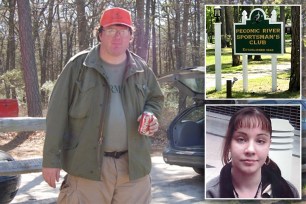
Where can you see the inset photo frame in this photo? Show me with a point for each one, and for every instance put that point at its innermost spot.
(253, 151)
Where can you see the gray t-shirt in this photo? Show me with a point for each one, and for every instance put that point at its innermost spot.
(115, 131)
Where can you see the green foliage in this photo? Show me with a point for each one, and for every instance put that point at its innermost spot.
(48, 87)
(13, 79)
(171, 96)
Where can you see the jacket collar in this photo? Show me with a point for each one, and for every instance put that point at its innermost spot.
(93, 60)
(227, 189)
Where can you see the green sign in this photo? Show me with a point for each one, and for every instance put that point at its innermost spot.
(258, 35)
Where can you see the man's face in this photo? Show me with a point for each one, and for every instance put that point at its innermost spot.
(115, 40)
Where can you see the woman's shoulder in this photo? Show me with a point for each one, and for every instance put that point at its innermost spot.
(213, 182)
(293, 189)
(213, 188)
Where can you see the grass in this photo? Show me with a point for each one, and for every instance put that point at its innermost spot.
(257, 88)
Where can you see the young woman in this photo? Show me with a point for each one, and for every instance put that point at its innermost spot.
(248, 171)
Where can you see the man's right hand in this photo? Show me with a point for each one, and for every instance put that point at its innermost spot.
(51, 175)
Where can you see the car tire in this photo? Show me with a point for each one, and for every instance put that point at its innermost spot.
(9, 185)
(199, 170)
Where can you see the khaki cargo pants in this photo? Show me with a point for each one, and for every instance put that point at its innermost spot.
(115, 187)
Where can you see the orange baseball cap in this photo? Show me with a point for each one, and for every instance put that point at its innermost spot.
(116, 15)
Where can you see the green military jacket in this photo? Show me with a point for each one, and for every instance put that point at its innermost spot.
(77, 110)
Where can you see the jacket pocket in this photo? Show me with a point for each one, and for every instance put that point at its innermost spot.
(82, 98)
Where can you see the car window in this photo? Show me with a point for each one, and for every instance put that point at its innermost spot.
(197, 114)
(195, 84)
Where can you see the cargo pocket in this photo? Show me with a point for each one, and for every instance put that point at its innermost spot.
(68, 193)
(82, 99)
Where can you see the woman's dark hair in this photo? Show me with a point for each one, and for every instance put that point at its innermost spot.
(272, 175)
(249, 117)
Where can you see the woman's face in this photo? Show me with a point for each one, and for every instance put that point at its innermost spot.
(249, 149)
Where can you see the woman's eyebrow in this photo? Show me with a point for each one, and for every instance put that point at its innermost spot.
(263, 134)
(239, 132)
(244, 133)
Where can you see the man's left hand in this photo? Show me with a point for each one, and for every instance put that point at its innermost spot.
(153, 126)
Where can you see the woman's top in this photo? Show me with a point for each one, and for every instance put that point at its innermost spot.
(273, 185)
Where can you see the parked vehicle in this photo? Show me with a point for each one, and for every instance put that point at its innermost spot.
(9, 185)
(186, 131)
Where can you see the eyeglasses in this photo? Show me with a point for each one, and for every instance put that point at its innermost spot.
(112, 32)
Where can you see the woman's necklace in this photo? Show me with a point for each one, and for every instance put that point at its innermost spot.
(237, 196)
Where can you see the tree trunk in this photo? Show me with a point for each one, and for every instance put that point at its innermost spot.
(28, 59)
(11, 45)
(61, 57)
(257, 58)
(146, 39)
(223, 28)
(185, 30)
(177, 34)
(197, 34)
(228, 19)
(46, 50)
(294, 84)
(283, 19)
(235, 58)
(154, 51)
(140, 32)
(180, 40)
(170, 62)
(36, 30)
(71, 32)
(159, 40)
(82, 25)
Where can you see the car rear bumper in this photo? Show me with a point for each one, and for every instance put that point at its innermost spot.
(183, 157)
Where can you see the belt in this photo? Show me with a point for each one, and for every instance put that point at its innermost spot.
(115, 155)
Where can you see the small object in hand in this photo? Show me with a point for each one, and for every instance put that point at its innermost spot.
(144, 123)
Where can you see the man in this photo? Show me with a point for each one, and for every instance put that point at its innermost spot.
(93, 118)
